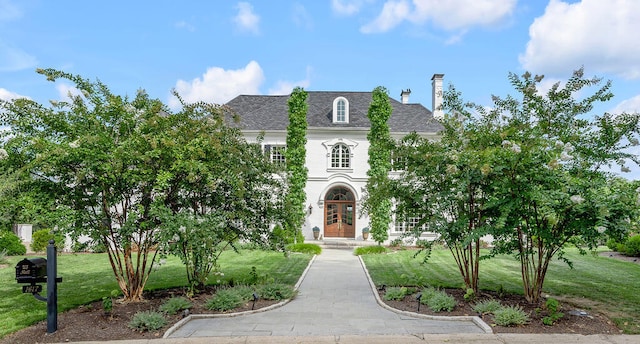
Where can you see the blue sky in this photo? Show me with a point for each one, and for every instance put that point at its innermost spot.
(215, 50)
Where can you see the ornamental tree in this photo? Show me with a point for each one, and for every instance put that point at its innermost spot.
(549, 185)
(378, 201)
(297, 172)
(445, 186)
(552, 189)
(94, 156)
(219, 191)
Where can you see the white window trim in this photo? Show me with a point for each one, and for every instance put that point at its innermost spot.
(335, 110)
(273, 148)
(328, 145)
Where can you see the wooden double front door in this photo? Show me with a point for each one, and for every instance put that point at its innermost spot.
(340, 207)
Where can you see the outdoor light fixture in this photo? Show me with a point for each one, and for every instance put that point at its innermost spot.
(418, 297)
(310, 208)
(255, 298)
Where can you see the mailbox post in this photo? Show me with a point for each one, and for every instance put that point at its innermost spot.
(52, 287)
(39, 270)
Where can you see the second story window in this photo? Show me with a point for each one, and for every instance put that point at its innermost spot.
(340, 156)
(340, 110)
(276, 154)
(398, 161)
(340, 116)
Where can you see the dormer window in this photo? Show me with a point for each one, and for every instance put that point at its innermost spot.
(340, 110)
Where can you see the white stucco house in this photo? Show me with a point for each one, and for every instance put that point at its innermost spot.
(337, 149)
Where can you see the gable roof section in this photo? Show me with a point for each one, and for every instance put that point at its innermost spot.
(258, 112)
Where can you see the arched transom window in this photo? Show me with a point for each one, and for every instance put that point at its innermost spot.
(340, 156)
(340, 193)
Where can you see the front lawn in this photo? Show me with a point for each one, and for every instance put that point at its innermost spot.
(600, 283)
(88, 277)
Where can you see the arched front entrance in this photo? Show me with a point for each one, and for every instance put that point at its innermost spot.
(339, 213)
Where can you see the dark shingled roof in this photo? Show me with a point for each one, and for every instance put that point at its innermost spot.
(271, 112)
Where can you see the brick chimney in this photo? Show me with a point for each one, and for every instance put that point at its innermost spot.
(404, 95)
(436, 96)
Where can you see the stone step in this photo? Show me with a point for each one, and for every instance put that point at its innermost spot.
(346, 244)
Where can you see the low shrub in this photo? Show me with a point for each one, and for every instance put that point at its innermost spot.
(244, 291)
(437, 300)
(147, 321)
(276, 291)
(553, 306)
(224, 300)
(622, 248)
(40, 240)
(428, 293)
(395, 293)
(612, 244)
(487, 306)
(632, 246)
(470, 295)
(441, 301)
(12, 244)
(304, 248)
(374, 249)
(510, 316)
(175, 304)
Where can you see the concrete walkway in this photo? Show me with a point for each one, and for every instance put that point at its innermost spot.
(335, 299)
(336, 304)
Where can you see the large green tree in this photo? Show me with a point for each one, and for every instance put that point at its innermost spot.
(295, 154)
(219, 191)
(550, 185)
(444, 186)
(94, 155)
(532, 171)
(378, 201)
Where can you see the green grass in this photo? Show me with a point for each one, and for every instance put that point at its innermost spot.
(598, 283)
(88, 277)
(370, 250)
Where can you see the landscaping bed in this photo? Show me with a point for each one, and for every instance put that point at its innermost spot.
(589, 323)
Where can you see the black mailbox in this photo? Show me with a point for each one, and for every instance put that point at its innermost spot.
(31, 270)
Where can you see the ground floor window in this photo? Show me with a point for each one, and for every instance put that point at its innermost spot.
(409, 225)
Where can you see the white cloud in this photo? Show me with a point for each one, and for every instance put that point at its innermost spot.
(346, 7)
(285, 87)
(65, 91)
(8, 95)
(9, 11)
(631, 105)
(219, 86)
(14, 59)
(301, 17)
(246, 20)
(452, 15)
(185, 25)
(393, 13)
(600, 35)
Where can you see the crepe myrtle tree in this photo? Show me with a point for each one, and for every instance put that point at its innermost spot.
(220, 190)
(445, 184)
(377, 201)
(550, 186)
(96, 154)
(100, 156)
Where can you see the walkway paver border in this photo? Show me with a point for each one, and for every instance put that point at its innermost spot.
(476, 320)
